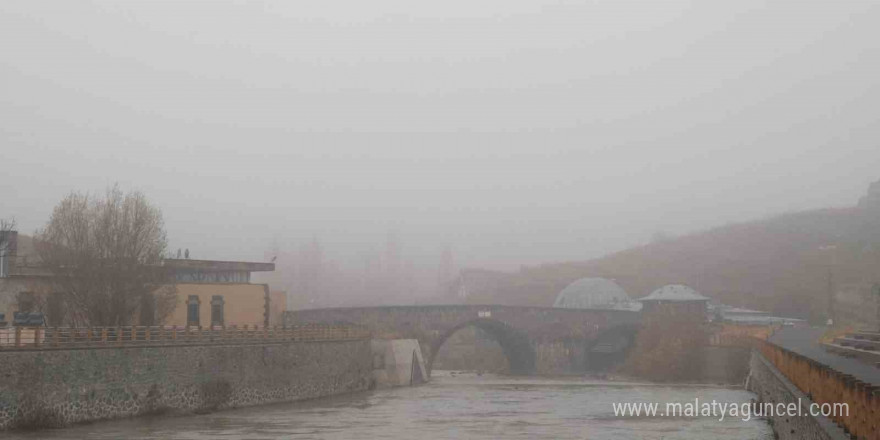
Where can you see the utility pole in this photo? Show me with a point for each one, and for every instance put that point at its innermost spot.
(830, 295)
(833, 249)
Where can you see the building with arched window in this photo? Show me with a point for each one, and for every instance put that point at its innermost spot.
(219, 294)
(209, 293)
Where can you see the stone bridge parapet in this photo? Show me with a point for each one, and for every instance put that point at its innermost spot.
(541, 340)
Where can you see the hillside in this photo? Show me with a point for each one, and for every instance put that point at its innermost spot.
(781, 264)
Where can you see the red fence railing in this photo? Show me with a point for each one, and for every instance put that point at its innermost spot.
(31, 338)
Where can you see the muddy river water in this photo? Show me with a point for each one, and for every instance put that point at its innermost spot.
(451, 406)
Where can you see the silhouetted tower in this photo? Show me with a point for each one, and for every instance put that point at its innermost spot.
(446, 270)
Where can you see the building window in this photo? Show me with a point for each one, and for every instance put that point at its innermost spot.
(217, 310)
(192, 311)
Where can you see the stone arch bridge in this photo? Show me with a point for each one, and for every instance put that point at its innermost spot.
(536, 340)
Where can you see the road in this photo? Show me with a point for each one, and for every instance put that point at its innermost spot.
(804, 341)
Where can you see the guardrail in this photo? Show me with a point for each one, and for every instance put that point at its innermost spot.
(47, 338)
(825, 385)
(734, 335)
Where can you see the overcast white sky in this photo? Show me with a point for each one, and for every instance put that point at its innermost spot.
(518, 131)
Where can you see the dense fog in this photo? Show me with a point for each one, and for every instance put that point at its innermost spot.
(396, 142)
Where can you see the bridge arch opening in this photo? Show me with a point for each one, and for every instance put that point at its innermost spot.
(609, 348)
(514, 344)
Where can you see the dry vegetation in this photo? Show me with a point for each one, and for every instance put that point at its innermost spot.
(668, 350)
(105, 255)
(781, 264)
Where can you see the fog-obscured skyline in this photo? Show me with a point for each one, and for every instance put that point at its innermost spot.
(518, 132)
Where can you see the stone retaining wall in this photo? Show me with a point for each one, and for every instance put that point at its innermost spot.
(59, 387)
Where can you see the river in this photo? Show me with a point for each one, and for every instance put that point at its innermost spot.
(451, 406)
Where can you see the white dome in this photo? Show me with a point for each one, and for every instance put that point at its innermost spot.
(593, 293)
(674, 292)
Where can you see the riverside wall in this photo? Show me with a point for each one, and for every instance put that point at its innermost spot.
(54, 388)
(783, 377)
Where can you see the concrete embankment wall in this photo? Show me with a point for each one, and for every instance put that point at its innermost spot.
(826, 385)
(398, 362)
(772, 386)
(58, 387)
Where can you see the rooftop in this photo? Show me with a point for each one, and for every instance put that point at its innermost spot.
(674, 292)
(742, 311)
(217, 266)
(760, 319)
(594, 293)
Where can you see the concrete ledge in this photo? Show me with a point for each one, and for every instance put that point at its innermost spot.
(397, 362)
(862, 344)
(869, 335)
(869, 356)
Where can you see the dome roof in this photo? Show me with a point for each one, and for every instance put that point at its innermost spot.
(674, 292)
(593, 293)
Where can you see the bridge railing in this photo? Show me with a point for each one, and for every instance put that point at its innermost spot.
(44, 338)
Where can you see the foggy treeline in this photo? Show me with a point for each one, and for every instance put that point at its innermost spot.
(314, 276)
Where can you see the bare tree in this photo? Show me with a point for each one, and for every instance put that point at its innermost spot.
(7, 245)
(105, 254)
(6, 227)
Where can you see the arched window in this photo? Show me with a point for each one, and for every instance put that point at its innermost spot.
(192, 311)
(217, 310)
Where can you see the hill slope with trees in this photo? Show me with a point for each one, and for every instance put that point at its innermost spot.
(785, 264)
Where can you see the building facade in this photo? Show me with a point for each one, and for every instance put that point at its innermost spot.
(219, 294)
(25, 286)
(208, 293)
(675, 299)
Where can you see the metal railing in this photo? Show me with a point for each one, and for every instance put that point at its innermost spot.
(44, 338)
